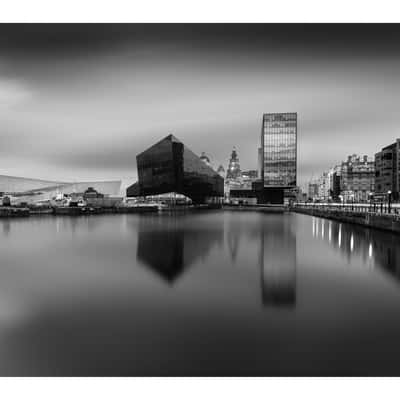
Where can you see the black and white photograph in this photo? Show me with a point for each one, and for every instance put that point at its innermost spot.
(199, 200)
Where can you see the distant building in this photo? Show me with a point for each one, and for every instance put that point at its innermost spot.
(15, 184)
(233, 172)
(108, 188)
(93, 198)
(91, 193)
(334, 183)
(169, 166)
(301, 196)
(357, 178)
(323, 187)
(242, 196)
(205, 159)
(352, 180)
(387, 170)
(241, 189)
(248, 177)
(250, 174)
(233, 179)
(221, 171)
(313, 190)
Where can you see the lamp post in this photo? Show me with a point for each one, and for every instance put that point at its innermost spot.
(352, 202)
(341, 200)
(370, 201)
(389, 199)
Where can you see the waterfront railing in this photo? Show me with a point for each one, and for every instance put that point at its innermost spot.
(370, 208)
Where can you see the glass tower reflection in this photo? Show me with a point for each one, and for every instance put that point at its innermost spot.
(278, 259)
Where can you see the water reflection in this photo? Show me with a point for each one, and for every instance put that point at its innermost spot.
(170, 245)
(159, 295)
(233, 238)
(6, 226)
(374, 247)
(278, 260)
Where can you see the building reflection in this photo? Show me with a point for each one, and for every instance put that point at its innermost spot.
(170, 245)
(6, 226)
(386, 251)
(374, 247)
(278, 260)
(234, 233)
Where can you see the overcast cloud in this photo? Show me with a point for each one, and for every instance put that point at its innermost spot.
(79, 102)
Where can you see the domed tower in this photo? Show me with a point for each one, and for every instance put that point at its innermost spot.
(221, 171)
(233, 171)
(205, 158)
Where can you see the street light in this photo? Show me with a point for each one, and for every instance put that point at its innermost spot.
(389, 199)
(370, 200)
(341, 199)
(352, 201)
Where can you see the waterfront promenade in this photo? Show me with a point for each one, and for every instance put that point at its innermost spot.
(370, 215)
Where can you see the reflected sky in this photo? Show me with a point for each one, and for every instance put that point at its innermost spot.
(207, 293)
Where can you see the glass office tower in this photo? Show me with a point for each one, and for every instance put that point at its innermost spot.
(279, 150)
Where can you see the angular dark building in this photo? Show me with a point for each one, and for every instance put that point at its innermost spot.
(169, 166)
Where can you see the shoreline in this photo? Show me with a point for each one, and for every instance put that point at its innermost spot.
(19, 212)
(386, 222)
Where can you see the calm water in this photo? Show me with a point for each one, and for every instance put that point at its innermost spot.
(217, 293)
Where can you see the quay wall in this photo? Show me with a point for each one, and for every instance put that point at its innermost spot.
(259, 208)
(13, 212)
(67, 210)
(389, 222)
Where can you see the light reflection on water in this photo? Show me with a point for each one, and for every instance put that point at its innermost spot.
(216, 293)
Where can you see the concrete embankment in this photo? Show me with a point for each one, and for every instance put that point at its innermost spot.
(114, 210)
(6, 212)
(14, 212)
(71, 211)
(389, 222)
(260, 208)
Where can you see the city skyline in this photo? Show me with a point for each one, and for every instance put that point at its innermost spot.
(200, 200)
(79, 102)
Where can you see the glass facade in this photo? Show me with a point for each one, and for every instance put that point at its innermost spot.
(279, 150)
(169, 166)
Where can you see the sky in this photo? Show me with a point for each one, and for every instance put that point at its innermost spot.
(79, 102)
